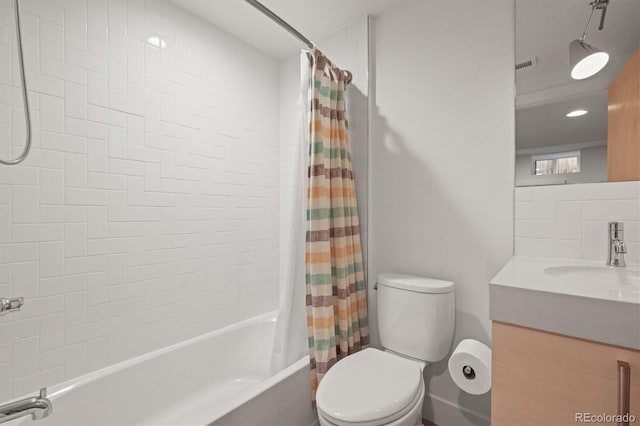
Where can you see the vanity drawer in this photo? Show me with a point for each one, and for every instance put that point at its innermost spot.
(541, 378)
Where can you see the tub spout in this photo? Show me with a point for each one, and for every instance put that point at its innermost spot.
(38, 407)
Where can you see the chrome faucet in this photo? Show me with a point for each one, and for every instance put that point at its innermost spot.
(38, 407)
(617, 246)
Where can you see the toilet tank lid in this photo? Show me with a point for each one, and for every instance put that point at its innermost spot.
(415, 283)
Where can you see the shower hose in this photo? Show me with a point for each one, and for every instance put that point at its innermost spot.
(25, 100)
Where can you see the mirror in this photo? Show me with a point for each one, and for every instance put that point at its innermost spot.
(552, 148)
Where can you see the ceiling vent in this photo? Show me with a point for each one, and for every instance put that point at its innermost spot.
(531, 62)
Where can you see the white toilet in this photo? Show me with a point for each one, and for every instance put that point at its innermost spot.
(416, 319)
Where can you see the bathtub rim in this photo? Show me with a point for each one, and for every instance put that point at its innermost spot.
(59, 389)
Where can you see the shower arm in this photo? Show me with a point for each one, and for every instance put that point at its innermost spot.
(25, 99)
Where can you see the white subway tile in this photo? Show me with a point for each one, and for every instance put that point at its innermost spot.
(25, 357)
(97, 353)
(15, 252)
(97, 21)
(51, 332)
(97, 222)
(83, 59)
(106, 181)
(63, 214)
(25, 279)
(569, 220)
(51, 259)
(85, 197)
(97, 153)
(75, 239)
(63, 71)
(595, 240)
(85, 128)
(97, 89)
(126, 104)
(611, 210)
(75, 30)
(28, 233)
(107, 116)
(97, 288)
(75, 309)
(63, 142)
(75, 100)
(51, 186)
(51, 113)
(25, 204)
(117, 78)
(62, 285)
(544, 202)
(75, 170)
(117, 273)
(51, 40)
(41, 83)
(17, 330)
(117, 142)
(5, 224)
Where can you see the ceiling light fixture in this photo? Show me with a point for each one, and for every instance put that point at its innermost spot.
(577, 113)
(587, 60)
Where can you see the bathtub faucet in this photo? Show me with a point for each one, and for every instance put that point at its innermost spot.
(38, 407)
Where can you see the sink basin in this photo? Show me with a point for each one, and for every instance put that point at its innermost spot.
(597, 275)
(616, 283)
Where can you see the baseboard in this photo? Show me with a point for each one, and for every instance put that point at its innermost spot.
(447, 413)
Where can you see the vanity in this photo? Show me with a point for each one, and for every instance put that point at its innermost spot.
(566, 342)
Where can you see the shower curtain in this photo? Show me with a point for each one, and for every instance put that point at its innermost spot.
(290, 342)
(335, 287)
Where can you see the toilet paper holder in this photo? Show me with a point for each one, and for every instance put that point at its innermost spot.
(468, 372)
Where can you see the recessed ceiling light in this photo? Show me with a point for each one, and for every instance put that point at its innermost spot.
(156, 41)
(577, 113)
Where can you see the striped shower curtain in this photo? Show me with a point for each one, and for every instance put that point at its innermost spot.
(335, 284)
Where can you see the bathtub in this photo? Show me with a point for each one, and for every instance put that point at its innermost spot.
(222, 377)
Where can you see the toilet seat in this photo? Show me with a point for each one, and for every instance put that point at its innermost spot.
(370, 388)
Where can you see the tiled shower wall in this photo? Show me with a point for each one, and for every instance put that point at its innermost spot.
(570, 221)
(147, 211)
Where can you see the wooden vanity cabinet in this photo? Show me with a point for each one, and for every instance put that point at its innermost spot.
(541, 378)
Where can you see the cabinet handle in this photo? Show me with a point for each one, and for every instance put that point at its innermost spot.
(624, 391)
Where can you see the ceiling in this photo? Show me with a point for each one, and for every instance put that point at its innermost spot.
(547, 124)
(311, 18)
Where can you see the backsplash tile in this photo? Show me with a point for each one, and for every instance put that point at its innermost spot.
(570, 221)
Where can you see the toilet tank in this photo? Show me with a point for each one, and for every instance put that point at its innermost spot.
(416, 315)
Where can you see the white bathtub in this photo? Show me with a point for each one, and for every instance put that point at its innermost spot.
(221, 377)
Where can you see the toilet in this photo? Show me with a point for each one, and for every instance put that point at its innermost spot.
(416, 321)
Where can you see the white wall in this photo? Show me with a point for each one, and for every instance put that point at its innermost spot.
(442, 163)
(570, 221)
(593, 168)
(147, 211)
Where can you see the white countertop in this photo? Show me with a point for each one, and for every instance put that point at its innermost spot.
(574, 277)
(574, 297)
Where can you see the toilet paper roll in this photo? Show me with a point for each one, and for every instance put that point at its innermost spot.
(470, 367)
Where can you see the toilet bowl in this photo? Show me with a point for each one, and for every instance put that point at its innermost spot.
(385, 387)
(371, 388)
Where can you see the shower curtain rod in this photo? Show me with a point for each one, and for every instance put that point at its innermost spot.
(278, 20)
